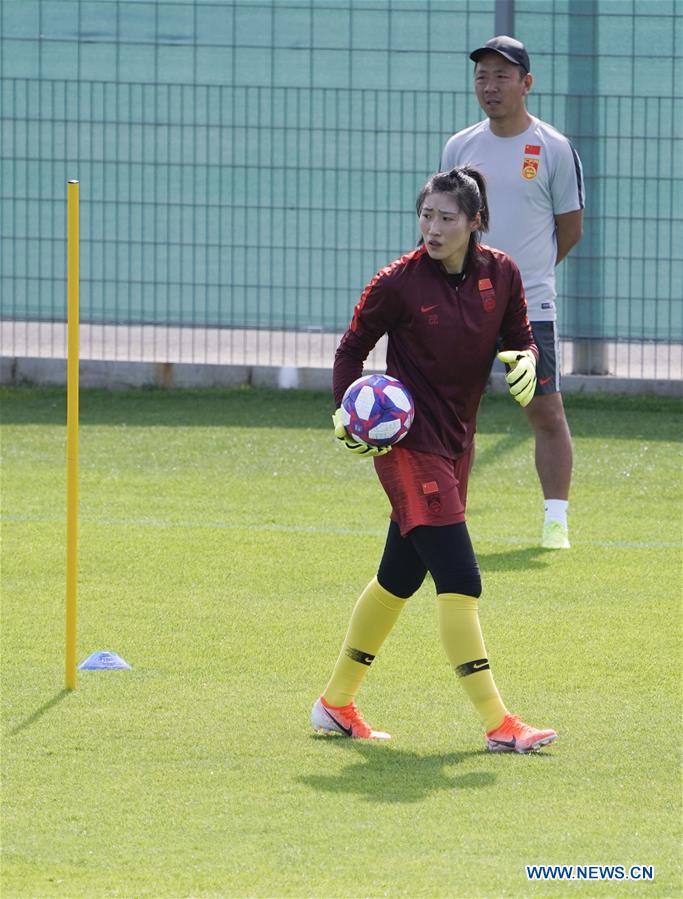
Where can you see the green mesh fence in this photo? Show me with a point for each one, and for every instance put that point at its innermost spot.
(250, 165)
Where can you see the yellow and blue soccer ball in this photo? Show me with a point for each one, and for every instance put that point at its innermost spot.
(377, 409)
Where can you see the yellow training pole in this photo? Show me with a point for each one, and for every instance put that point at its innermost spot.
(71, 433)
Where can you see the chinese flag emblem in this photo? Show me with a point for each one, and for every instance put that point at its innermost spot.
(488, 294)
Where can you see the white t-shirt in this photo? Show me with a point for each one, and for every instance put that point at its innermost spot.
(530, 178)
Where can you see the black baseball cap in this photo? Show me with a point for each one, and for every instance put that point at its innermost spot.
(512, 50)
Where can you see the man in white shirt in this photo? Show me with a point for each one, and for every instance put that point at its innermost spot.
(536, 200)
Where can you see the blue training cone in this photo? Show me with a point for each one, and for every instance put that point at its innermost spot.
(103, 660)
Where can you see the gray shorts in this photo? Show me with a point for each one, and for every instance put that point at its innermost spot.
(548, 368)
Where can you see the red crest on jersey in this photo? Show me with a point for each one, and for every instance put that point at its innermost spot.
(530, 168)
(487, 293)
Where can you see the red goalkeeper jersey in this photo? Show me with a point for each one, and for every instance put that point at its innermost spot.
(442, 332)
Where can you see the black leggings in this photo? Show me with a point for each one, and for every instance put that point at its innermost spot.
(445, 552)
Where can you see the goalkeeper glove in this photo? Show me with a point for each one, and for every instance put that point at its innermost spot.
(522, 377)
(353, 443)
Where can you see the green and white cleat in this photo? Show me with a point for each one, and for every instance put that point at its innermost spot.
(555, 536)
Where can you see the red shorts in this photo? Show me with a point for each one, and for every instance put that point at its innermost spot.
(424, 488)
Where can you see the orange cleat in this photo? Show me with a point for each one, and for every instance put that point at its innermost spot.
(346, 720)
(513, 735)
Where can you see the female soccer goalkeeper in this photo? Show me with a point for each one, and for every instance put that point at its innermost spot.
(443, 307)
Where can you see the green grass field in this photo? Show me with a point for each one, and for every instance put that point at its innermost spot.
(224, 537)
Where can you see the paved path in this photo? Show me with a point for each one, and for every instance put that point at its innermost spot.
(287, 351)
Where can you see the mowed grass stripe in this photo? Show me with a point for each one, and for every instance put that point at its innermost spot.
(294, 529)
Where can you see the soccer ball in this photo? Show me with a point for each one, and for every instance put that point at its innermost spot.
(377, 409)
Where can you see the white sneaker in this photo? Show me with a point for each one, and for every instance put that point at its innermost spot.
(555, 536)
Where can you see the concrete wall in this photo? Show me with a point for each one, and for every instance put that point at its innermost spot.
(118, 375)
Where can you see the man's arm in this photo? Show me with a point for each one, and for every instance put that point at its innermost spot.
(569, 232)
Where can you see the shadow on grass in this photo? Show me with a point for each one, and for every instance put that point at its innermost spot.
(532, 558)
(506, 443)
(38, 714)
(590, 415)
(394, 776)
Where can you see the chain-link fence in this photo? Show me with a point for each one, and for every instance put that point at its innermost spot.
(245, 168)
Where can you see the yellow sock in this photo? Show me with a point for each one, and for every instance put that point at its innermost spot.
(373, 617)
(464, 645)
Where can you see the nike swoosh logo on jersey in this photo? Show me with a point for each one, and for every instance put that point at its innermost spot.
(347, 730)
(544, 380)
(428, 308)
